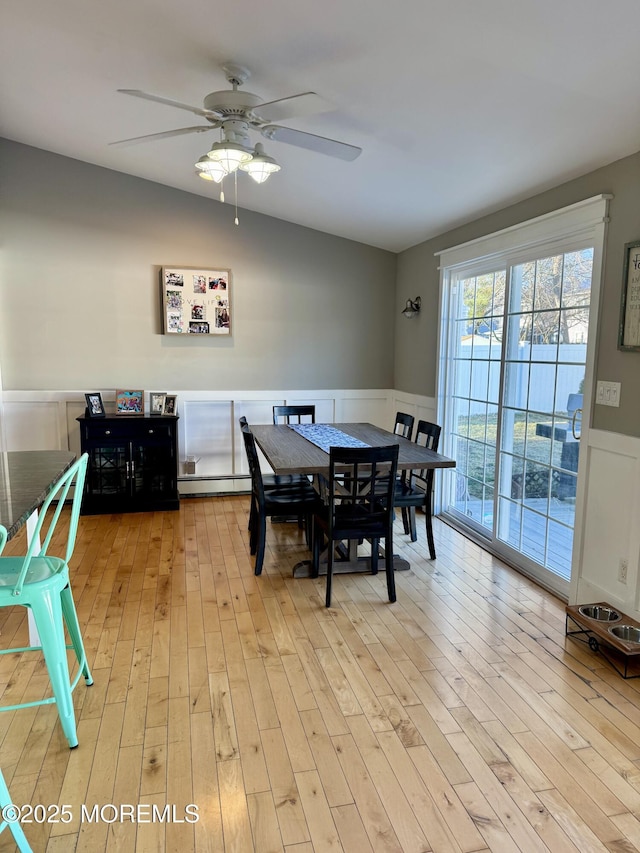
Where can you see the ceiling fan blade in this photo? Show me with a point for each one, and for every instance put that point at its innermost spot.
(304, 104)
(321, 144)
(165, 134)
(199, 111)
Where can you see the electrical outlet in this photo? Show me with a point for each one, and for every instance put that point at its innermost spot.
(623, 568)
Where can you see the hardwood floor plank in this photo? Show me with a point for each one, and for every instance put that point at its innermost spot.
(291, 818)
(264, 823)
(381, 833)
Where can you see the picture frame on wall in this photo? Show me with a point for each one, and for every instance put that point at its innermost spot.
(170, 405)
(156, 402)
(129, 402)
(196, 301)
(95, 406)
(629, 335)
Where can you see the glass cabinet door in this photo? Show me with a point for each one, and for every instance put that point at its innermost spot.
(107, 473)
(153, 469)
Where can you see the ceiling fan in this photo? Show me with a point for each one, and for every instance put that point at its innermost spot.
(236, 113)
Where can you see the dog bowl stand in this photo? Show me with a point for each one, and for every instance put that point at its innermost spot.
(623, 656)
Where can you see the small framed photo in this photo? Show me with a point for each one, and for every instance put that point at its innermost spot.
(95, 406)
(629, 335)
(156, 402)
(170, 406)
(129, 402)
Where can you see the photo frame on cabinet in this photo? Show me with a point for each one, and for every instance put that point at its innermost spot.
(156, 402)
(129, 402)
(170, 405)
(196, 301)
(95, 406)
(629, 335)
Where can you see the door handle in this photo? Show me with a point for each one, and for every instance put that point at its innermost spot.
(574, 420)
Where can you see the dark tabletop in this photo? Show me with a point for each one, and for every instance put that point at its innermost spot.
(25, 479)
(290, 453)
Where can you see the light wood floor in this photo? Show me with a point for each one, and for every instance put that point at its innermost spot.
(458, 719)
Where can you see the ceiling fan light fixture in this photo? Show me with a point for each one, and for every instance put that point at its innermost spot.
(260, 166)
(210, 170)
(229, 155)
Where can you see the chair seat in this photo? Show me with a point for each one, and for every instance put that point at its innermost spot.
(406, 495)
(40, 569)
(351, 522)
(283, 480)
(296, 502)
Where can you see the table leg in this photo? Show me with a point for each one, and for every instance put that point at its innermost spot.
(350, 562)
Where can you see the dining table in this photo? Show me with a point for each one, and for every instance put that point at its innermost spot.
(288, 452)
(26, 476)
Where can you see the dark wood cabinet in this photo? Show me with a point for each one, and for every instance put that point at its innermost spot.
(133, 463)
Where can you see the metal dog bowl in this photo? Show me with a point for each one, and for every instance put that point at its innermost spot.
(598, 612)
(628, 633)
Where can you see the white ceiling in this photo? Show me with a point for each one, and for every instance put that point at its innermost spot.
(460, 106)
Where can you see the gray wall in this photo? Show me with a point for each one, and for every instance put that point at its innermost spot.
(416, 340)
(81, 250)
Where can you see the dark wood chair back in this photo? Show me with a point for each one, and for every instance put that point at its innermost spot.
(404, 425)
(294, 414)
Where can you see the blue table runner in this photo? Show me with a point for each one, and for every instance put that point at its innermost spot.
(325, 436)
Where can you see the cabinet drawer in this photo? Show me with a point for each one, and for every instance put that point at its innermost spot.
(109, 430)
(153, 432)
(98, 432)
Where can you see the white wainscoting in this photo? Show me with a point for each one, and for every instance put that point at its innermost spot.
(611, 523)
(208, 428)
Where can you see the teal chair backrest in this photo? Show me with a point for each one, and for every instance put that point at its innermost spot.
(46, 523)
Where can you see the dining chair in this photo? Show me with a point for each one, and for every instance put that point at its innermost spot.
(8, 811)
(40, 582)
(299, 500)
(358, 505)
(278, 481)
(403, 425)
(415, 490)
(294, 414)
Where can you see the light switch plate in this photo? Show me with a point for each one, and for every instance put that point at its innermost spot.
(607, 393)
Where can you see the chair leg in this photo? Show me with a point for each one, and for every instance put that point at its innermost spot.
(47, 613)
(375, 554)
(73, 627)
(16, 830)
(329, 572)
(390, 571)
(260, 540)
(405, 519)
(412, 524)
(430, 542)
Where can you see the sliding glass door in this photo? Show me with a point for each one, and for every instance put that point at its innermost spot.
(515, 348)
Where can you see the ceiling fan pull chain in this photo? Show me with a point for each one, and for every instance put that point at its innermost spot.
(235, 180)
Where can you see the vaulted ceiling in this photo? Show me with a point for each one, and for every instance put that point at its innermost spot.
(460, 107)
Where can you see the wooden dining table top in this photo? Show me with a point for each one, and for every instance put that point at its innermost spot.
(287, 452)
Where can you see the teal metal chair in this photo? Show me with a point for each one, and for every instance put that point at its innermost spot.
(8, 812)
(40, 582)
